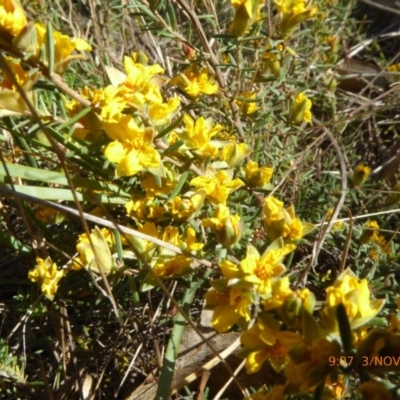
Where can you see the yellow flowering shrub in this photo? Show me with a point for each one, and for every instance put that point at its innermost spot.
(193, 169)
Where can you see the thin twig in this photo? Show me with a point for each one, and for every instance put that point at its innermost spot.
(339, 205)
(5, 191)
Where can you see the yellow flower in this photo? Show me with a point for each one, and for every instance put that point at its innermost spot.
(162, 113)
(11, 102)
(271, 59)
(289, 304)
(249, 104)
(188, 241)
(335, 390)
(247, 12)
(217, 187)
(64, 46)
(139, 78)
(310, 363)
(262, 342)
(361, 174)
(337, 226)
(166, 263)
(89, 127)
(144, 209)
(134, 153)
(355, 296)
(292, 12)
(185, 209)
(167, 267)
(359, 335)
(234, 153)
(162, 186)
(301, 109)
(171, 235)
(12, 17)
(144, 247)
(47, 275)
(260, 270)
(257, 176)
(141, 90)
(226, 227)
(198, 134)
(195, 81)
(95, 253)
(229, 306)
(280, 292)
(45, 214)
(112, 105)
(280, 222)
(370, 232)
(132, 157)
(394, 67)
(22, 77)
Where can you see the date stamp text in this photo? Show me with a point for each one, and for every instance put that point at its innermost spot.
(371, 361)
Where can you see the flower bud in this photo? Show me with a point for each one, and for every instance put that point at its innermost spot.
(361, 174)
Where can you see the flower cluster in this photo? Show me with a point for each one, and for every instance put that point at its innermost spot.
(30, 39)
(189, 177)
(132, 134)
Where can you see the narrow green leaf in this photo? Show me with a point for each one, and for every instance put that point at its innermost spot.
(174, 147)
(179, 186)
(171, 127)
(344, 328)
(65, 194)
(33, 174)
(167, 372)
(75, 118)
(50, 47)
(10, 241)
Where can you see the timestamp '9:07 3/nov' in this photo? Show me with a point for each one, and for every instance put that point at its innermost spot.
(371, 361)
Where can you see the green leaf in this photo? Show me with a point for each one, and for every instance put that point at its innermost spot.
(344, 328)
(33, 174)
(275, 245)
(64, 194)
(148, 283)
(179, 186)
(171, 127)
(171, 354)
(50, 47)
